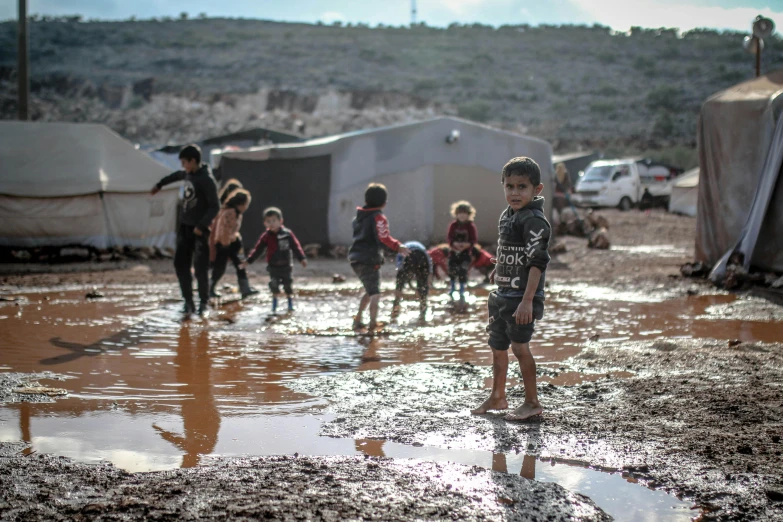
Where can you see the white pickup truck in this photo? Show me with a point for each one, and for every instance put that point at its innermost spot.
(621, 183)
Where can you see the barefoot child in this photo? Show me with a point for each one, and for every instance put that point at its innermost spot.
(519, 300)
(370, 235)
(199, 207)
(281, 247)
(462, 235)
(416, 265)
(225, 242)
(228, 228)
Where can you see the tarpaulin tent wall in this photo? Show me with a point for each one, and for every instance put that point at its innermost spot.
(322, 181)
(738, 182)
(685, 194)
(80, 184)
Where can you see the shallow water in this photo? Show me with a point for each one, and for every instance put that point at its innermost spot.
(147, 392)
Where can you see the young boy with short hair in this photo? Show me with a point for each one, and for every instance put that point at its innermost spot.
(199, 207)
(281, 247)
(522, 259)
(370, 236)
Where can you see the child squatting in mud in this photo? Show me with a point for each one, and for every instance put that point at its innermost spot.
(513, 308)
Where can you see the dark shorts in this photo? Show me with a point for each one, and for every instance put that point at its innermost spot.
(370, 276)
(503, 328)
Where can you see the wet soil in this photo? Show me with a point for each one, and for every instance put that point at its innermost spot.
(666, 380)
(700, 419)
(282, 488)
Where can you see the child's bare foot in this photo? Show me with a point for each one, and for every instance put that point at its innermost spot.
(524, 412)
(490, 404)
(357, 323)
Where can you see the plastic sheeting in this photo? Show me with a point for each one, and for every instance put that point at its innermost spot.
(740, 204)
(101, 221)
(80, 184)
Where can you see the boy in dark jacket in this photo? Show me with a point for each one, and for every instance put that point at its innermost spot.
(370, 235)
(199, 207)
(281, 247)
(522, 259)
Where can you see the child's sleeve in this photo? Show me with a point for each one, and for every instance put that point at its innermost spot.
(450, 233)
(171, 178)
(298, 250)
(473, 233)
(261, 245)
(382, 229)
(536, 236)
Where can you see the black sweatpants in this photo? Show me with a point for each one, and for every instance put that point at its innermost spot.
(192, 250)
(231, 252)
(459, 264)
(281, 275)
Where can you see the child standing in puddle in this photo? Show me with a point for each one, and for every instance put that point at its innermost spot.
(370, 236)
(462, 235)
(518, 302)
(225, 242)
(281, 247)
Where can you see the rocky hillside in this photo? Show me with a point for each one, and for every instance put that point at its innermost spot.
(169, 81)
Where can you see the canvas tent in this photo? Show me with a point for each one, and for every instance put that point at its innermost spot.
(740, 199)
(319, 183)
(65, 184)
(685, 193)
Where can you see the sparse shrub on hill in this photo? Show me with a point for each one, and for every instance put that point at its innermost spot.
(570, 84)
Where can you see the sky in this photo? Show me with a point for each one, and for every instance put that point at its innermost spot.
(617, 14)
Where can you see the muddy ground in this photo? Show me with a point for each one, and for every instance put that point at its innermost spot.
(700, 418)
(281, 488)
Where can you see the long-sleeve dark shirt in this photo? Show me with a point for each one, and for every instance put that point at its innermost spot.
(200, 203)
(281, 247)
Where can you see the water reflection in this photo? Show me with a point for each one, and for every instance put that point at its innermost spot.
(200, 416)
(173, 391)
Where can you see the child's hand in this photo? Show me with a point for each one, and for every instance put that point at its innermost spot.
(403, 251)
(244, 265)
(154, 190)
(304, 262)
(524, 313)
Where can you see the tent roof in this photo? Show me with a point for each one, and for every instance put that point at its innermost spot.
(324, 144)
(70, 159)
(760, 89)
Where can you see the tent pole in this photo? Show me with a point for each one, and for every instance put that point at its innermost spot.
(758, 58)
(22, 72)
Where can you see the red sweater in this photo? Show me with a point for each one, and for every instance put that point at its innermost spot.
(279, 248)
(463, 232)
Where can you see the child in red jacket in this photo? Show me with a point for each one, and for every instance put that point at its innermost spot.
(281, 247)
(462, 235)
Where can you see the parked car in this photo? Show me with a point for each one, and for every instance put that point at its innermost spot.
(622, 182)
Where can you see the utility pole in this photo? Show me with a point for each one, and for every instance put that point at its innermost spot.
(413, 13)
(22, 72)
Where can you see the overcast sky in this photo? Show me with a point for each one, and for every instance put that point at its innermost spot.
(618, 14)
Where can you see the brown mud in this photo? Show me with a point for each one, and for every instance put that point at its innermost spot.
(282, 488)
(666, 381)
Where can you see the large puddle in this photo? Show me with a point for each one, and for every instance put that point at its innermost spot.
(148, 393)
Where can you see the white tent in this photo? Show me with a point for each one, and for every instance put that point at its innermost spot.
(685, 193)
(320, 182)
(68, 184)
(740, 209)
